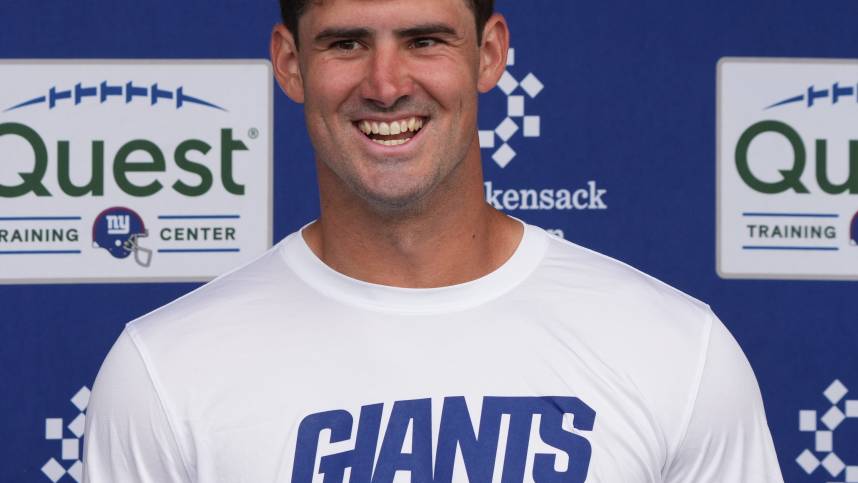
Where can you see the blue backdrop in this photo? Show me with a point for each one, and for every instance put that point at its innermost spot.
(628, 102)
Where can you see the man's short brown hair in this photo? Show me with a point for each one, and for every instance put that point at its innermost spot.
(291, 10)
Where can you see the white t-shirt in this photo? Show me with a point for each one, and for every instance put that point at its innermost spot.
(561, 365)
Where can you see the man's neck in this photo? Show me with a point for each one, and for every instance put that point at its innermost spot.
(456, 239)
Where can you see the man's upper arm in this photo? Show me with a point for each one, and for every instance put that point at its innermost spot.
(128, 434)
(727, 438)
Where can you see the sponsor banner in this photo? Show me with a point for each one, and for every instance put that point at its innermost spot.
(133, 170)
(512, 139)
(787, 168)
(590, 197)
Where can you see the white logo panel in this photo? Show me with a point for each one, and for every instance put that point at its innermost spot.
(133, 170)
(787, 169)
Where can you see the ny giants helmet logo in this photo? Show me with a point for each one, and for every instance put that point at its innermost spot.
(853, 230)
(117, 230)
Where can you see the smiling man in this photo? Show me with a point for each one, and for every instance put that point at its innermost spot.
(390, 98)
(412, 332)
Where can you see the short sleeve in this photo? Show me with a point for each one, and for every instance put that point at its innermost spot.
(727, 438)
(128, 434)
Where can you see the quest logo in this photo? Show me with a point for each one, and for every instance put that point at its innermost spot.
(186, 143)
(787, 170)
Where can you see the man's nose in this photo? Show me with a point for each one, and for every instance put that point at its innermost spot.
(387, 79)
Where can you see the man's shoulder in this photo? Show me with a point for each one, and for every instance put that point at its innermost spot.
(615, 285)
(650, 334)
(625, 315)
(227, 300)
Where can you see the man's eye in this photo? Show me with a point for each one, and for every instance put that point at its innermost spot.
(424, 42)
(346, 45)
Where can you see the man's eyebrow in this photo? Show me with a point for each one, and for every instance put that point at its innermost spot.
(342, 33)
(363, 33)
(427, 29)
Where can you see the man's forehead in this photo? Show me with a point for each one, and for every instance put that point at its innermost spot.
(356, 11)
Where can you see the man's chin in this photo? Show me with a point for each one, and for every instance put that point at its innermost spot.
(399, 203)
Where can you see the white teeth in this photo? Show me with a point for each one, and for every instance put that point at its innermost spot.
(412, 124)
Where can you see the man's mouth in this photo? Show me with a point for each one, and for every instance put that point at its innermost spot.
(391, 133)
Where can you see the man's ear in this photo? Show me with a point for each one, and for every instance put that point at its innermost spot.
(284, 57)
(493, 52)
